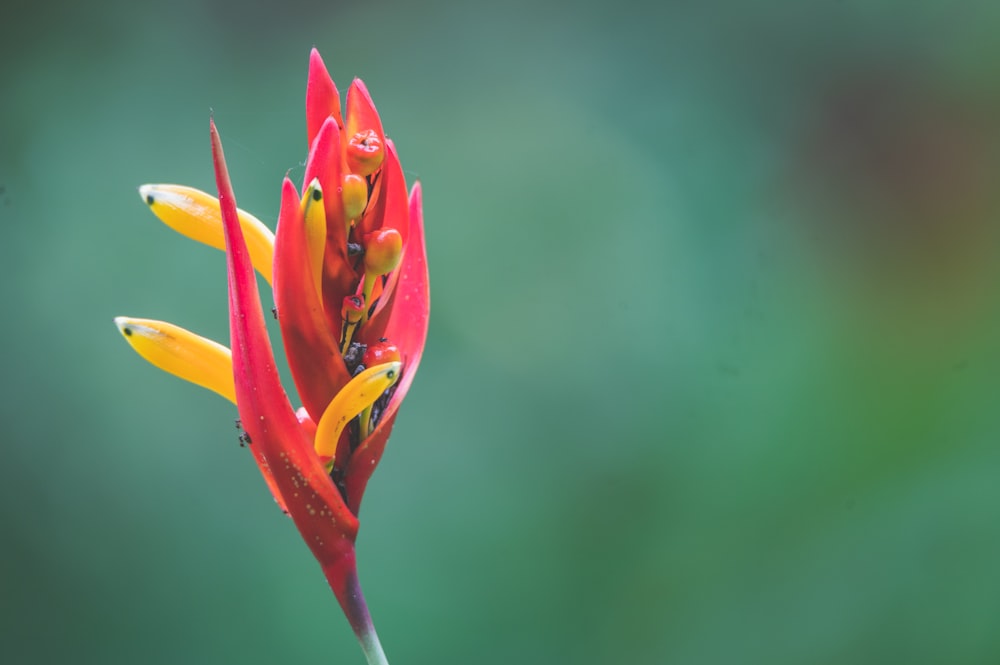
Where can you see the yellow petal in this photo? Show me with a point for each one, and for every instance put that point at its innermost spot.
(314, 215)
(359, 394)
(194, 213)
(181, 353)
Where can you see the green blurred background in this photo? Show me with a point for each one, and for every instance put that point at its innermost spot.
(714, 362)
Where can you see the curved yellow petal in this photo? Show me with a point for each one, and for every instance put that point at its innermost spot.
(359, 394)
(181, 353)
(314, 216)
(195, 214)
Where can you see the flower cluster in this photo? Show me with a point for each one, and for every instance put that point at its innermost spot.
(348, 268)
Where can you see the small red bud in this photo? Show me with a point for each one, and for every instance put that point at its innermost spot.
(365, 152)
(380, 352)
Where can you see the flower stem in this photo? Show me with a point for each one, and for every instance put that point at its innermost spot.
(372, 648)
(352, 601)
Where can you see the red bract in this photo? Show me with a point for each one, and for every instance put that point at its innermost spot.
(350, 286)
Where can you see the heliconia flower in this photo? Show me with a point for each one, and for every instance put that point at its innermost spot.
(348, 268)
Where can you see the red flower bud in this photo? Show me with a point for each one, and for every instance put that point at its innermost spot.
(365, 152)
(380, 352)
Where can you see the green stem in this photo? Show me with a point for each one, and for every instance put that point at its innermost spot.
(372, 648)
(353, 603)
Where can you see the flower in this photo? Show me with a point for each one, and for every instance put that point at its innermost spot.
(348, 269)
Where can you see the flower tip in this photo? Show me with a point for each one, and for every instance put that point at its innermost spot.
(174, 196)
(315, 190)
(146, 194)
(391, 370)
(322, 98)
(358, 83)
(227, 200)
(213, 133)
(135, 331)
(130, 327)
(316, 63)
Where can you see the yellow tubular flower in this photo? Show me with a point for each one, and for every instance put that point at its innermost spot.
(181, 353)
(195, 214)
(359, 394)
(314, 217)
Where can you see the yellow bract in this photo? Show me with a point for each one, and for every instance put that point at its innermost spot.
(197, 215)
(359, 394)
(181, 353)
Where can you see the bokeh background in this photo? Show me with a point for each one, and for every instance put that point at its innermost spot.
(714, 362)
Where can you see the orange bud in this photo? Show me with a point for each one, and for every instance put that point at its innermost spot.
(355, 196)
(365, 152)
(383, 251)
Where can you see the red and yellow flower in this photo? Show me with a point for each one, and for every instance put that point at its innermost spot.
(348, 269)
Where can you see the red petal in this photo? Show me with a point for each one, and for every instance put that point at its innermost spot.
(364, 461)
(389, 210)
(311, 498)
(312, 351)
(325, 164)
(322, 98)
(409, 316)
(361, 113)
(388, 205)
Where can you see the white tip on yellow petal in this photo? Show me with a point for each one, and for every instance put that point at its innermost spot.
(181, 353)
(359, 394)
(195, 214)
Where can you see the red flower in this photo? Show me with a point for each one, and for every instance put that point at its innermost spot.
(349, 271)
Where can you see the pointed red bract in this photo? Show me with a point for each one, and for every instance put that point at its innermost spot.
(411, 301)
(389, 210)
(322, 98)
(312, 351)
(361, 113)
(325, 163)
(409, 318)
(311, 498)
